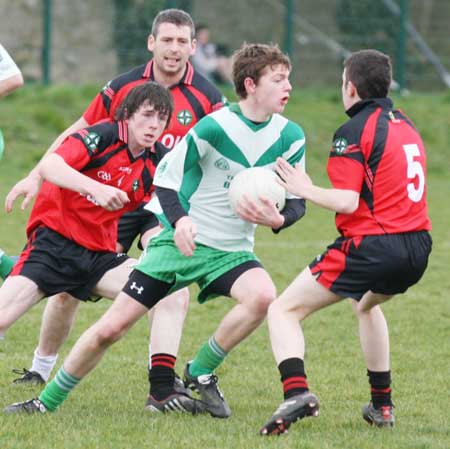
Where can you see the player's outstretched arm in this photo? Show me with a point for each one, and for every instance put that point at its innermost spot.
(29, 186)
(297, 182)
(55, 170)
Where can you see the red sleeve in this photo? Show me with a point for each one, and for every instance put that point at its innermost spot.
(74, 152)
(96, 111)
(346, 170)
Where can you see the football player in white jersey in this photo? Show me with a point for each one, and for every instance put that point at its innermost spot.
(204, 241)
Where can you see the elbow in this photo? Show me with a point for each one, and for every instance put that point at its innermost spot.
(347, 209)
(19, 82)
(15, 82)
(45, 166)
(348, 204)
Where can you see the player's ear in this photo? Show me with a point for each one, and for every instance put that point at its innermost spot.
(249, 85)
(151, 42)
(193, 46)
(351, 89)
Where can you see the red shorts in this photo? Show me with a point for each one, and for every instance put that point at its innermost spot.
(386, 264)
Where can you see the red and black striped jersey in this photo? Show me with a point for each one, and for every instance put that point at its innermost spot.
(194, 97)
(100, 152)
(379, 154)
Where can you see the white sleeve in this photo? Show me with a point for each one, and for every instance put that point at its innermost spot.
(171, 169)
(8, 67)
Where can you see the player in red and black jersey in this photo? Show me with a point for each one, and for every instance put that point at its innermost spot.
(171, 42)
(377, 167)
(95, 176)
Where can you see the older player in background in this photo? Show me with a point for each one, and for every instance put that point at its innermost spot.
(172, 43)
(377, 167)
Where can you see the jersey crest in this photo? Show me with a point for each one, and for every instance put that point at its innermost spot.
(91, 141)
(184, 117)
(222, 164)
(340, 145)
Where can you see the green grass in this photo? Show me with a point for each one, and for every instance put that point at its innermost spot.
(106, 409)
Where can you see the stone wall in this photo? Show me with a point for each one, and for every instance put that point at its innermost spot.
(83, 45)
(81, 36)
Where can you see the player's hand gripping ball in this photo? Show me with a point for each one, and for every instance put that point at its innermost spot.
(256, 182)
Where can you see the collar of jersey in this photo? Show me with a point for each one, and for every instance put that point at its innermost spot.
(384, 103)
(185, 79)
(235, 108)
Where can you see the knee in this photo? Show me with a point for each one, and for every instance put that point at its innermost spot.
(63, 301)
(175, 303)
(107, 335)
(279, 309)
(262, 300)
(181, 299)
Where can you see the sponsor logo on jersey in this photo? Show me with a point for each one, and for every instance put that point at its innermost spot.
(91, 199)
(135, 185)
(340, 145)
(184, 117)
(222, 164)
(104, 176)
(127, 170)
(91, 141)
(169, 140)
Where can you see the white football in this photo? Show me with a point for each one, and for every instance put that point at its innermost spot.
(256, 182)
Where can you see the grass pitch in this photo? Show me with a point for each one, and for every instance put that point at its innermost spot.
(106, 409)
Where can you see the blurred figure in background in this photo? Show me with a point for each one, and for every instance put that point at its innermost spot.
(209, 59)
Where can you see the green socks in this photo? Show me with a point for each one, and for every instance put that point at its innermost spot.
(6, 264)
(56, 392)
(210, 356)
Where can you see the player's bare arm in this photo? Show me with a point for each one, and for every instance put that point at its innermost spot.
(297, 182)
(29, 186)
(54, 169)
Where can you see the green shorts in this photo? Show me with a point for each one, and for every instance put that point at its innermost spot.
(164, 261)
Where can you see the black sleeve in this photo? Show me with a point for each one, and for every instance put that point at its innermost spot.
(294, 209)
(171, 206)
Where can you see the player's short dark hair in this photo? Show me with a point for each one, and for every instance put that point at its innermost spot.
(153, 93)
(251, 60)
(177, 17)
(371, 73)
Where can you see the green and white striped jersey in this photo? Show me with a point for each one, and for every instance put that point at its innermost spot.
(202, 165)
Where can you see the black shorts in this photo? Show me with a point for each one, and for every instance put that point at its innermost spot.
(57, 264)
(133, 224)
(386, 264)
(155, 290)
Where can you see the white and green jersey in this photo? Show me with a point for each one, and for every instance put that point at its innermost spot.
(201, 167)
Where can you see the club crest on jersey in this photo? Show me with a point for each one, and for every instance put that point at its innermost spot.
(340, 145)
(222, 164)
(162, 168)
(135, 185)
(91, 141)
(184, 117)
